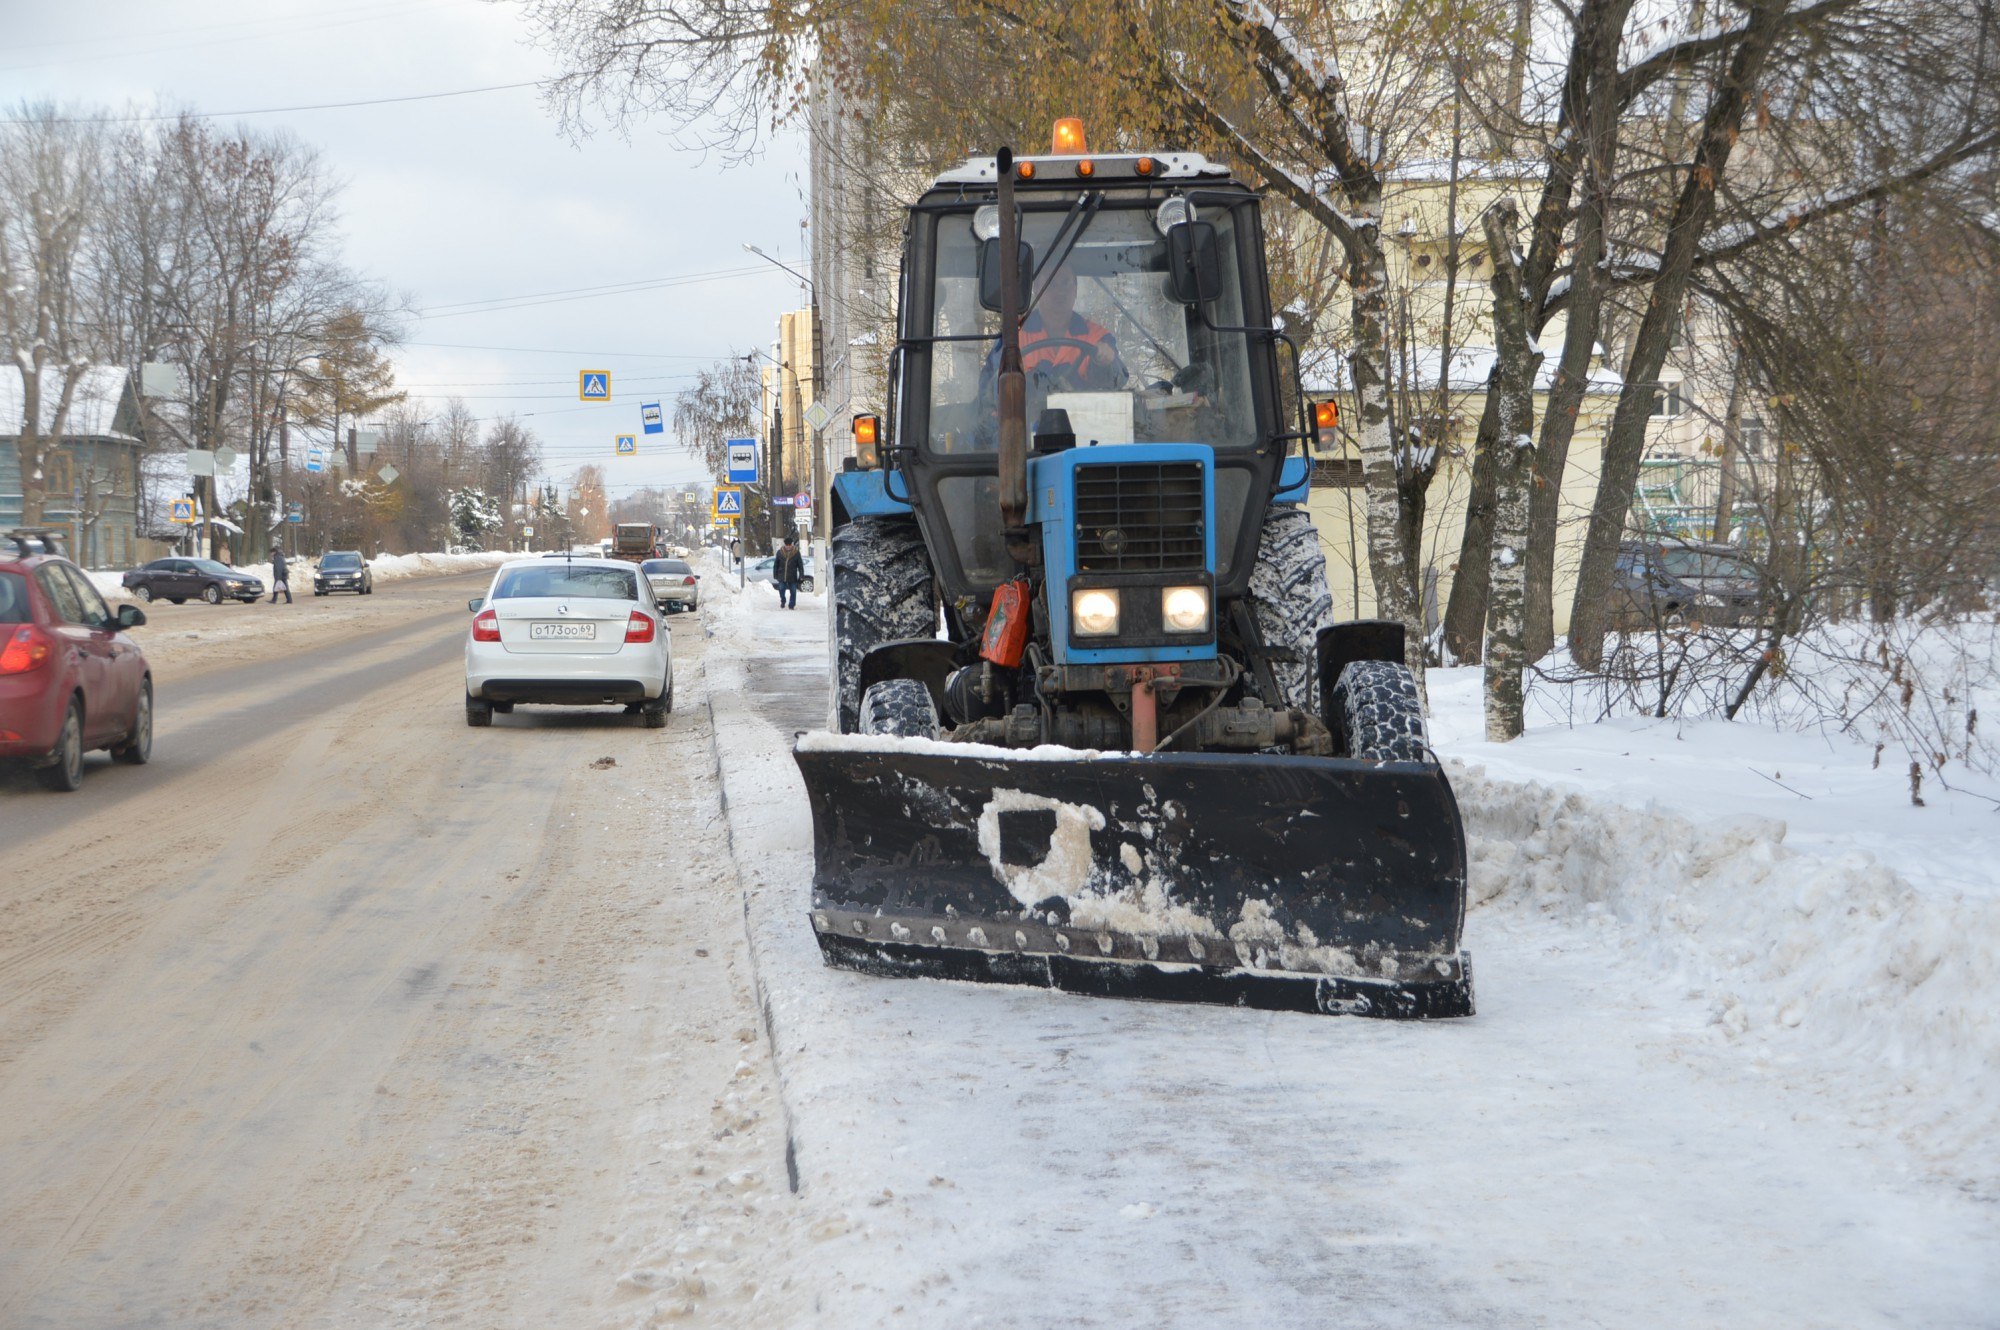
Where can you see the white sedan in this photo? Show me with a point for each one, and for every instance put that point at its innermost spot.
(569, 632)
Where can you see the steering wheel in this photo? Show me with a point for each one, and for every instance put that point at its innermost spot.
(1074, 371)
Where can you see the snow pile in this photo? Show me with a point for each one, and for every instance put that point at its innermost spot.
(386, 567)
(1831, 969)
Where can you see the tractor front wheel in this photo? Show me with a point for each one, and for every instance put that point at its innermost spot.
(883, 591)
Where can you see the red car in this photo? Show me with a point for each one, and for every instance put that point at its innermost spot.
(70, 679)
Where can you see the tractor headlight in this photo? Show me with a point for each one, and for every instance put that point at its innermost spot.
(1095, 613)
(986, 222)
(1184, 609)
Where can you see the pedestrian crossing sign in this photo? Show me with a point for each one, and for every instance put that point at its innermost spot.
(628, 445)
(181, 511)
(593, 385)
(728, 501)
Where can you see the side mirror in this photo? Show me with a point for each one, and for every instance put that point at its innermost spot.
(475, 603)
(1194, 271)
(991, 271)
(130, 616)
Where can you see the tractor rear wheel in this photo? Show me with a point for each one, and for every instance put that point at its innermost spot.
(1291, 601)
(899, 707)
(883, 591)
(1378, 709)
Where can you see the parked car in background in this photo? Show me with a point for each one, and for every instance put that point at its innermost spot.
(760, 570)
(343, 570)
(676, 585)
(71, 681)
(1674, 583)
(583, 632)
(180, 580)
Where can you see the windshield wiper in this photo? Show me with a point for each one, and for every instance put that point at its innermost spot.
(1085, 208)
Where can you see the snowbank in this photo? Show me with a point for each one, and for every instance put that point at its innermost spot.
(1831, 970)
(1841, 937)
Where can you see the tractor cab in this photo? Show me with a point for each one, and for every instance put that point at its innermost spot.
(1146, 343)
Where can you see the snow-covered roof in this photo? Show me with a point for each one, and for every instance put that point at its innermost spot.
(93, 410)
(1470, 368)
(1469, 168)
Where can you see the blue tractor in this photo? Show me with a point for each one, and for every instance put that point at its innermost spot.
(1093, 726)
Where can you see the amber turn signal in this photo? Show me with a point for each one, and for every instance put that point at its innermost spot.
(1326, 415)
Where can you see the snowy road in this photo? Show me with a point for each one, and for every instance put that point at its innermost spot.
(1587, 1151)
(344, 1014)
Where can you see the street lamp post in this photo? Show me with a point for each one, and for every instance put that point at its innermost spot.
(818, 482)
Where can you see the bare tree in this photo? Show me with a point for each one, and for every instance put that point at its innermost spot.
(50, 194)
(724, 402)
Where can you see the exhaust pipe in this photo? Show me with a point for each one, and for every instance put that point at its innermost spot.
(1012, 384)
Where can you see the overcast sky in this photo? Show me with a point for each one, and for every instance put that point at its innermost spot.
(468, 199)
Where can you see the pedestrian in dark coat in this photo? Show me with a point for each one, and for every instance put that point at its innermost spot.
(787, 571)
(279, 582)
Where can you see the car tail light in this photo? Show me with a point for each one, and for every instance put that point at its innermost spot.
(486, 628)
(687, 581)
(639, 628)
(26, 649)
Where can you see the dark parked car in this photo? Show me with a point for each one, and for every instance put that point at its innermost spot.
(343, 570)
(181, 580)
(70, 679)
(1674, 583)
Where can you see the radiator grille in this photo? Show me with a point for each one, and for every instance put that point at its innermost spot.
(1138, 517)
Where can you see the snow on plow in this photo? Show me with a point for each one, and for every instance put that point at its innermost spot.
(1286, 883)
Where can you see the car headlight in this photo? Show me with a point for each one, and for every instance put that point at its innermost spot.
(1094, 612)
(1184, 609)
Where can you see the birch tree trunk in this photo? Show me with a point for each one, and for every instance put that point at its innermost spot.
(1388, 556)
(1625, 444)
(1514, 454)
(1597, 122)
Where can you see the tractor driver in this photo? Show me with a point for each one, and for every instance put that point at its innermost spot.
(1061, 347)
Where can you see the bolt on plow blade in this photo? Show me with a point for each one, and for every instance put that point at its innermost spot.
(1277, 882)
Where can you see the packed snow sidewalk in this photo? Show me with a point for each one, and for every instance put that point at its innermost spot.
(1610, 1142)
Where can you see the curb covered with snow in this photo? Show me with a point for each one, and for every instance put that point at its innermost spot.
(1831, 968)
(386, 567)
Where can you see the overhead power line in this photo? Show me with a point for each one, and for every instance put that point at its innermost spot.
(563, 351)
(274, 110)
(499, 304)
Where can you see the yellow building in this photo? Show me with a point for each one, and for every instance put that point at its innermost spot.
(788, 391)
(1420, 215)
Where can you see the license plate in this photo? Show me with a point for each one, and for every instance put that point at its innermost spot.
(541, 632)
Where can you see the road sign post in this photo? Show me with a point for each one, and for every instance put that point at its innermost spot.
(743, 454)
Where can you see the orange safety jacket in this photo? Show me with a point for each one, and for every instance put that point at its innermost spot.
(1062, 355)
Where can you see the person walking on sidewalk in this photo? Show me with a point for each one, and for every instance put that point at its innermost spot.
(279, 582)
(787, 572)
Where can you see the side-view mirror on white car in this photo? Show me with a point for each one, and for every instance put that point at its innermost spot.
(474, 604)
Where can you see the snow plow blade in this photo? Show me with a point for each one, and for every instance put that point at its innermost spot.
(1276, 882)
